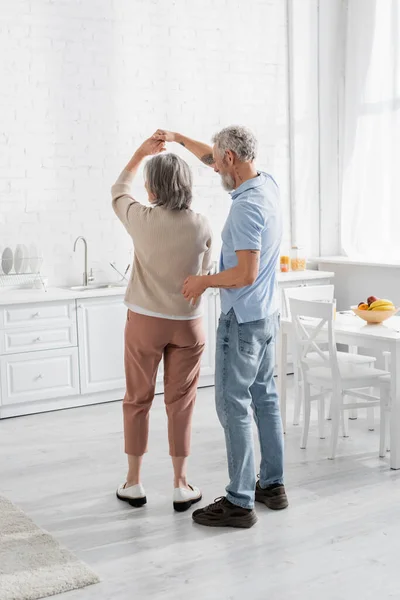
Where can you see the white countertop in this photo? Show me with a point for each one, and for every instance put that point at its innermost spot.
(358, 262)
(304, 275)
(53, 294)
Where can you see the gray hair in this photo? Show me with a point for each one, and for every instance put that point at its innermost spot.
(239, 140)
(169, 178)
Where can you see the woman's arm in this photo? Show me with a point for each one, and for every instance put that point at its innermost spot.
(122, 200)
(204, 152)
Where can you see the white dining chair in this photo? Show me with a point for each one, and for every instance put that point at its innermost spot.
(341, 379)
(317, 293)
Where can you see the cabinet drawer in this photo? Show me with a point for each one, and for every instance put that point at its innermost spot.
(28, 340)
(39, 376)
(30, 315)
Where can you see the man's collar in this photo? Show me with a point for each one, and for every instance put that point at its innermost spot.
(254, 182)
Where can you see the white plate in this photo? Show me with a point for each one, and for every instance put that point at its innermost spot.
(35, 258)
(25, 262)
(20, 258)
(7, 259)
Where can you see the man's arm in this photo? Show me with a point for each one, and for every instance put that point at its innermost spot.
(245, 273)
(202, 151)
(246, 223)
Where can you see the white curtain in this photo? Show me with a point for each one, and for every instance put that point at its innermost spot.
(370, 142)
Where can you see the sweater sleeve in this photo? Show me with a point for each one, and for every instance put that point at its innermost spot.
(128, 210)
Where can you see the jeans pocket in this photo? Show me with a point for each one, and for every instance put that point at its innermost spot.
(247, 348)
(248, 342)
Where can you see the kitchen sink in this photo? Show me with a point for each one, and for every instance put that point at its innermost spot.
(90, 287)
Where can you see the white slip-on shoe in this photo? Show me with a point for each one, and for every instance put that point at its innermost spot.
(183, 498)
(134, 494)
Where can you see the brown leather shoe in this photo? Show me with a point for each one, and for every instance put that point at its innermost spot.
(223, 513)
(273, 496)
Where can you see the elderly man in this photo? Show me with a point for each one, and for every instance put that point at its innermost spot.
(247, 327)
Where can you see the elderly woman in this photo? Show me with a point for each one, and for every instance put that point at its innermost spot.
(171, 242)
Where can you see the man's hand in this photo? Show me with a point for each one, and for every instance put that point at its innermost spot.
(164, 136)
(194, 287)
(150, 147)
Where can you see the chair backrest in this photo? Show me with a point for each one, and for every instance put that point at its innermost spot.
(313, 327)
(320, 293)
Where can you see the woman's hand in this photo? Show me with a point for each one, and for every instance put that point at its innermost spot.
(164, 135)
(150, 147)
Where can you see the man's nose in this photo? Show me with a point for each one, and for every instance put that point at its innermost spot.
(216, 170)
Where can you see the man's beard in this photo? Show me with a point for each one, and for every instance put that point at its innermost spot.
(228, 183)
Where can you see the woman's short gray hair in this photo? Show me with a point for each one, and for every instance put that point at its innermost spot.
(239, 140)
(169, 179)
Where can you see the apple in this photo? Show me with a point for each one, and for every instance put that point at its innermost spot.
(371, 299)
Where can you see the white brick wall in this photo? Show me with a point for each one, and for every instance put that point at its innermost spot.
(84, 82)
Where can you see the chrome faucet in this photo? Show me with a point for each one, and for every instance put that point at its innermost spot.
(86, 277)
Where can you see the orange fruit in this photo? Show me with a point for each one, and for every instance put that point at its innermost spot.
(363, 307)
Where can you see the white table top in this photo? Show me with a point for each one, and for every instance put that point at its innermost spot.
(348, 322)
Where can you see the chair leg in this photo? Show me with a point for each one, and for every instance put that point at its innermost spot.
(344, 418)
(371, 415)
(298, 395)
(336, 409)
(353, 412)
(382, 432)
(329, 417)
(387, 430)
(321, 418)
(307, 415)
(384, 439)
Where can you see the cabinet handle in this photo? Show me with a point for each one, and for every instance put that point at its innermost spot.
(40, 376)
(36, 315)
(80, 305)
(38, 339)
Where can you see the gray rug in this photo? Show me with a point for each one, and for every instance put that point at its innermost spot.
(32, 563)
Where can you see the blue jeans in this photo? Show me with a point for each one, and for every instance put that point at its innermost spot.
(245, 361)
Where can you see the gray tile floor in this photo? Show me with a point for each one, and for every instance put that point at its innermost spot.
(338, 540)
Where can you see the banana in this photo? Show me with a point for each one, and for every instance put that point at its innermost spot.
(381, 304)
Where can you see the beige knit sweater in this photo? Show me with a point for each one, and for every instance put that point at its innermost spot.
(169, 246)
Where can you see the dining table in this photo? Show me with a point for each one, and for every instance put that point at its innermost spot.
(353, 331)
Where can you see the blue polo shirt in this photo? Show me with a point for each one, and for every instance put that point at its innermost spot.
(254, 223)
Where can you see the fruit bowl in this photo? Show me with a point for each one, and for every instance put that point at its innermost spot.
(374, 316)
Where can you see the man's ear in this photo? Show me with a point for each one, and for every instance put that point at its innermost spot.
(230, 157)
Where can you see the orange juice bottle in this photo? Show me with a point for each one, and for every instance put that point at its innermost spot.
(284, 263)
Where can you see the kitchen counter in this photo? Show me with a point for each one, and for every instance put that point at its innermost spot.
(308, 275)
(9, 297)
(54, 294)
(62, 348)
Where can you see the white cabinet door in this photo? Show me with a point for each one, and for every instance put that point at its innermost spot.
(32, 315)
(210, 326)
(39, 376)
(101, 324)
